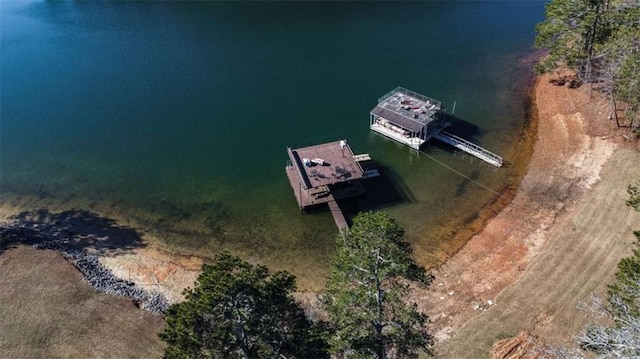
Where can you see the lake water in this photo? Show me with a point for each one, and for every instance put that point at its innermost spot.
(177, 115)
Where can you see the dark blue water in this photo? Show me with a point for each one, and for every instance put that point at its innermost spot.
(176, 116)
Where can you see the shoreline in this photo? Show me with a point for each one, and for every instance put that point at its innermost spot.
(476, 224)
(563, 153)
(170, 270)
(573, 148)
(490, 251)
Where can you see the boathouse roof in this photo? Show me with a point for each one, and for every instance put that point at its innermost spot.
(407, 109)
(325, 164)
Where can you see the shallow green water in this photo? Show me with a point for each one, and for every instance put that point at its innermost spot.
(179, 114)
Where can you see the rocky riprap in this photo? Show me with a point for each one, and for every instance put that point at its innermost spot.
(96, 274)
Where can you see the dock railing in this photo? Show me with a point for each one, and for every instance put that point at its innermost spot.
(413, 94)
(469, 147)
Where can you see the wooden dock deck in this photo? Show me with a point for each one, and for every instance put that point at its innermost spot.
(338, 217)
(326, 173)
(316, 196)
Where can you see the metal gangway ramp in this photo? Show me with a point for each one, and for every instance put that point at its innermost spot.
(469, 147)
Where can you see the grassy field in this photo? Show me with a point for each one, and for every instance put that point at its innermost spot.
(48, 311)
(579, 259)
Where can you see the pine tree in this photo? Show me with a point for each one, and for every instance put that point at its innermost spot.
(238, 310)
(366, 292)
(621, 339)
(572, 30)
(599, 40)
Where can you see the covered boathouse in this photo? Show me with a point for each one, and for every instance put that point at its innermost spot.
(325, 173)
(407, 117)
(413, 119)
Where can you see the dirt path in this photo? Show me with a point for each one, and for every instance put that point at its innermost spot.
(559, 240)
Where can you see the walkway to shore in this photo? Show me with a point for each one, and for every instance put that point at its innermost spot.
(338, 216)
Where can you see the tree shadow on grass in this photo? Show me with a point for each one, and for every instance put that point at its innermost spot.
(82, 229)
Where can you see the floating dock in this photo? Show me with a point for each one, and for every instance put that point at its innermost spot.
(325, 173)
(407, 117)
(413, 119)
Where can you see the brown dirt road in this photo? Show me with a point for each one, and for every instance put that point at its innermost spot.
(558, 241)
